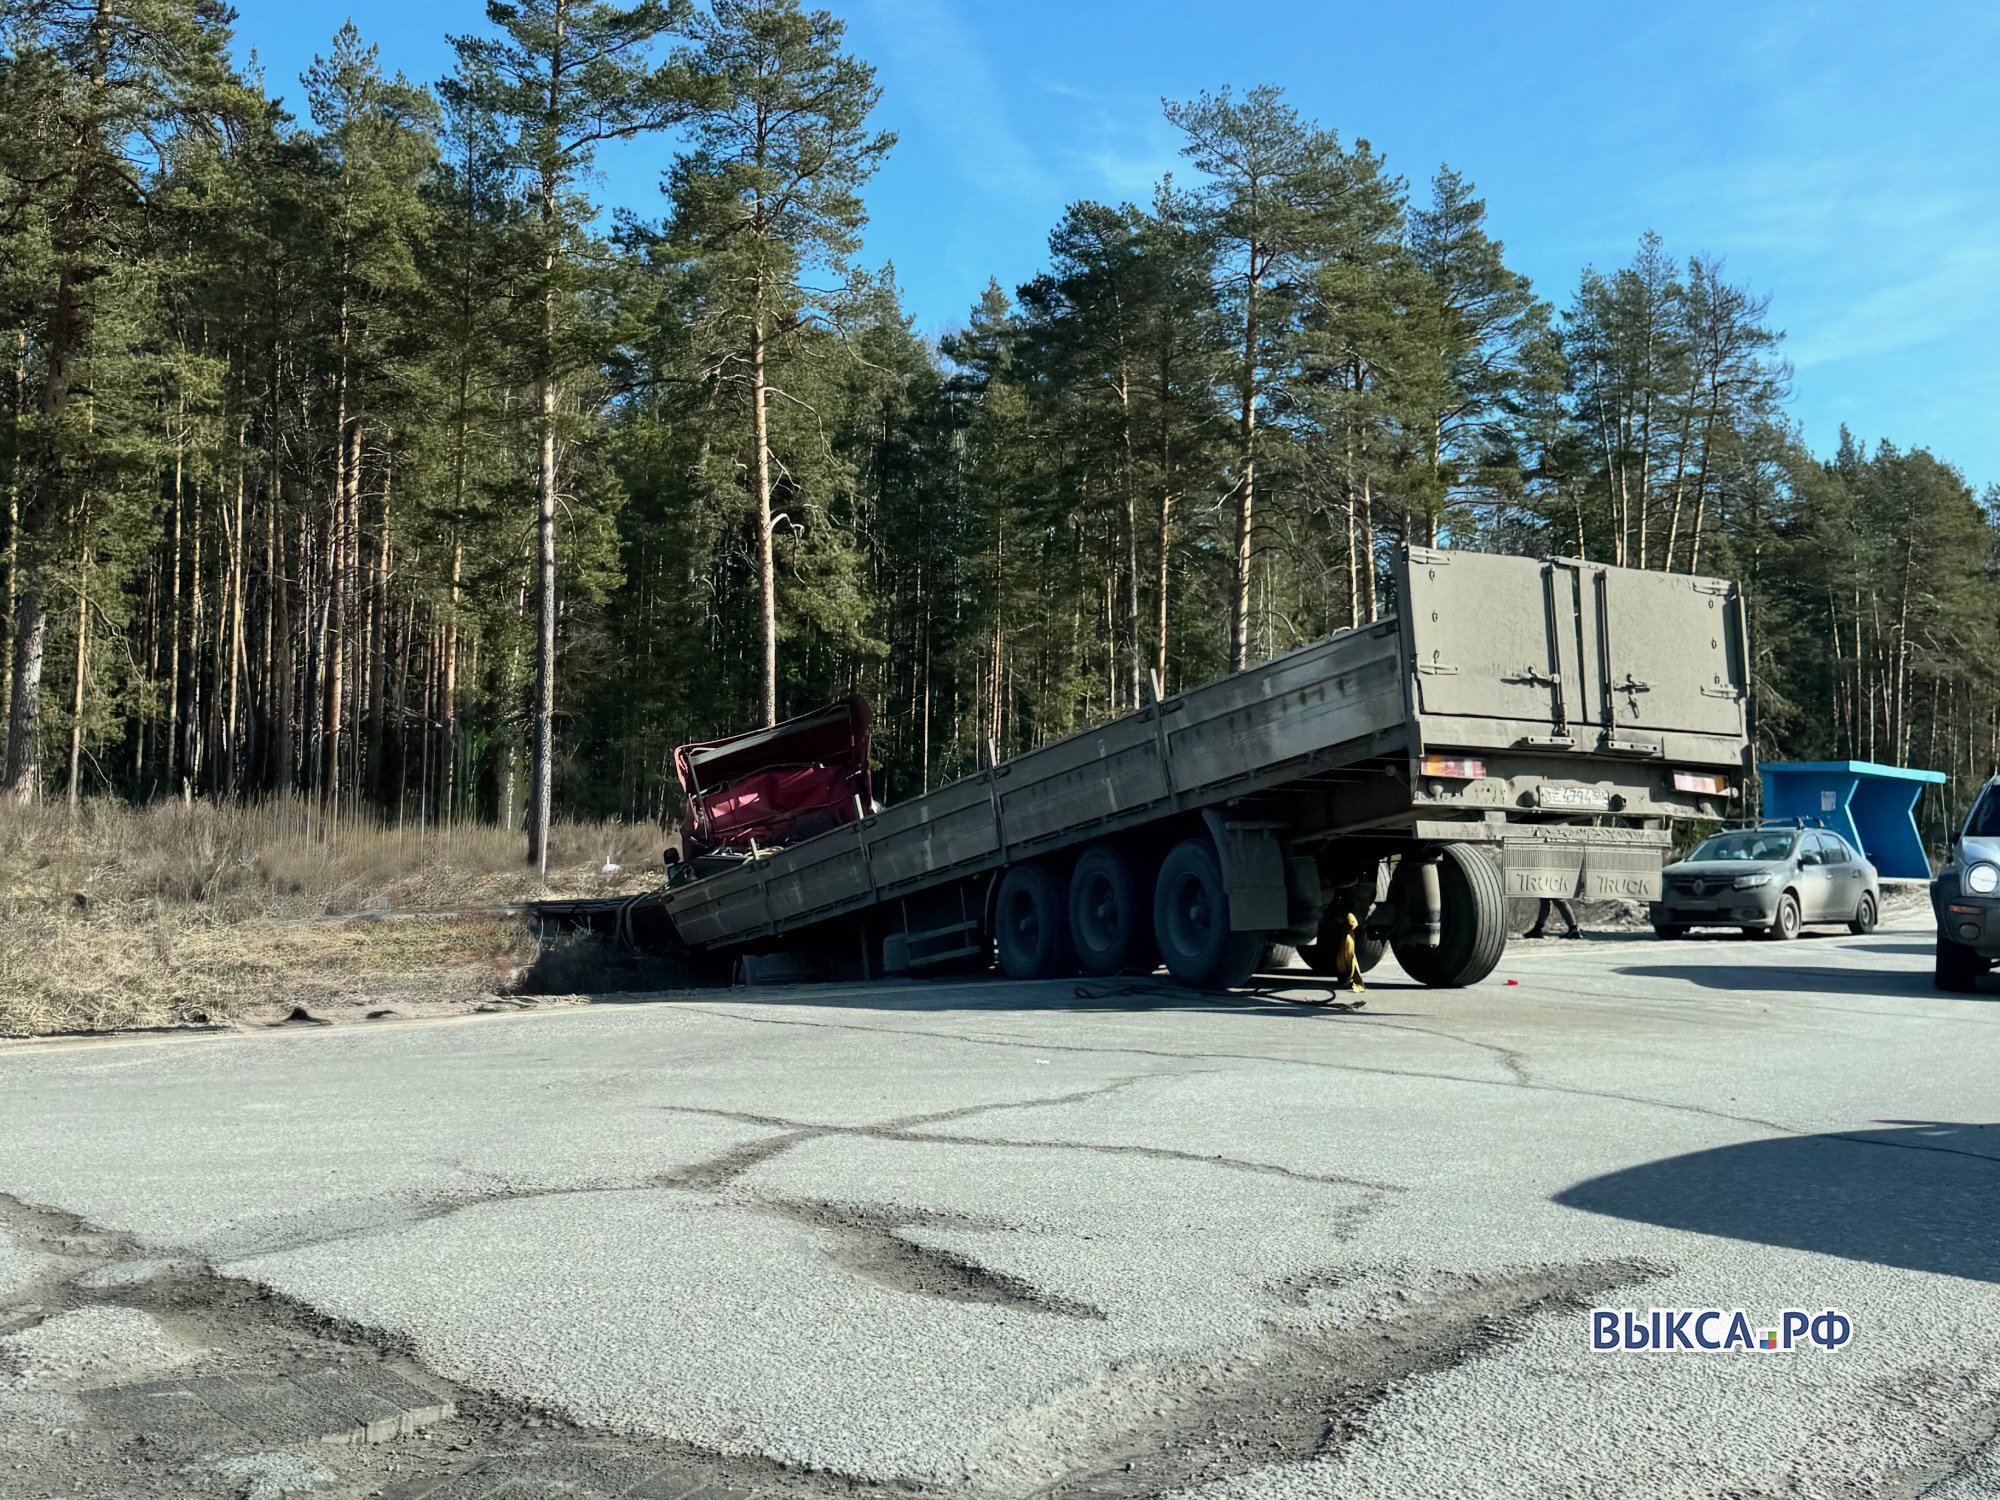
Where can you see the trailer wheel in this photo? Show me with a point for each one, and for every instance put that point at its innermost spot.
(1473, 932)
(1110, 921)
(1191, 921)
(1030, 926)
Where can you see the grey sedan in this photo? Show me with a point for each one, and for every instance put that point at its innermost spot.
(1773, 880)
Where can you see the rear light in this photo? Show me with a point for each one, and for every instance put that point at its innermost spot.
(1453, 770)
(1707, 786)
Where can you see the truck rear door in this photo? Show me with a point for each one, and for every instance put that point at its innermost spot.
(1480, 628)
(1571, 654)
(1671, 651)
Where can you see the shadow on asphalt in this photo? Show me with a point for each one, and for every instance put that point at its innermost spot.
(1124, 994)
(1921, 1196)
(1799, 978)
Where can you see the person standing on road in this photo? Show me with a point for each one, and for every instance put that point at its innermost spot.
(1560, 908)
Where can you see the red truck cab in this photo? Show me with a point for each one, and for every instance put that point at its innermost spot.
(776, 786)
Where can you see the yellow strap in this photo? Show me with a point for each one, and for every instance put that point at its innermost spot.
(1346, 967)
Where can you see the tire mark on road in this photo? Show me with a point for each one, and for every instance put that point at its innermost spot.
(866, 1243)
(1296, 1395)
(719, 1171)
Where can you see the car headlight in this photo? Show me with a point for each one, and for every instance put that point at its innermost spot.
(1982, 879)
(1750, 882)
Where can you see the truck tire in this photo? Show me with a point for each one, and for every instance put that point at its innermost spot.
(1473, 933)
(1110, 919)
(1958, 967)
(1031, 925)
(1191, 921)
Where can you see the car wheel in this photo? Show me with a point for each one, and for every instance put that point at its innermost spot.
(1670, 929)
(1958, 967)
(1864, 917)
(1785, 926)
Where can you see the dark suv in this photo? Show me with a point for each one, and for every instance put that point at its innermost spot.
(1966, 897)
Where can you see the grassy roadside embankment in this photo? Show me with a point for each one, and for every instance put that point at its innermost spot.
(184, 913)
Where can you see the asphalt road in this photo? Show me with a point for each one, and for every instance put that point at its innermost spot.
(986, 1239)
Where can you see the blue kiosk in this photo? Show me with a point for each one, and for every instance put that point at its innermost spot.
(1873, 807)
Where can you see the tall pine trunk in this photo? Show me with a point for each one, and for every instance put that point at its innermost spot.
(1246, 488)
(378, 652)
(767, 575)
(334, 654)
(541, 770)
(1135, 646)
(448, 696)
(24, 748)
(12, 559)
(1365, 529)
(1166, 517)
(542, 753)
(77, 683)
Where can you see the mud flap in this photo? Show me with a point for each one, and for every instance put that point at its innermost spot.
(1594, 864)
(1254, 870)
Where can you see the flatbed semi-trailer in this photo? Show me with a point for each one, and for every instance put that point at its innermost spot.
(1520, 727)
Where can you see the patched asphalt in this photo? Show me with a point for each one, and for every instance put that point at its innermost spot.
(1106, 1237)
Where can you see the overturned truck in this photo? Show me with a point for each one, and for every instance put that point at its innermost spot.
(1519, 728)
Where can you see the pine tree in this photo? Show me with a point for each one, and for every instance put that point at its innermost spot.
(378, 138)
(88, 93)
(1273, 192)
(1491, 345)
(564, 77)
(768, 207)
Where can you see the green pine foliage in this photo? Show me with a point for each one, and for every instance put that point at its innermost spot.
(301, 415)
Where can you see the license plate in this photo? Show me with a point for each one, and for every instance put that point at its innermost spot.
(1586, 798)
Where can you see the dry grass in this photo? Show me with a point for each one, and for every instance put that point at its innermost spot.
(121, 917)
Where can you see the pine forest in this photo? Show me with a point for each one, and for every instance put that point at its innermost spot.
(354, 452)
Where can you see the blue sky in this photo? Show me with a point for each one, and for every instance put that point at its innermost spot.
(1843, 157)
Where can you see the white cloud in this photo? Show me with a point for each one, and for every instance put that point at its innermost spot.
(1957, 291)
(1117, 146)
(942, 73)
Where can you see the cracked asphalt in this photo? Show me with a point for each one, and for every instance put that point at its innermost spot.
(982, 1239)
